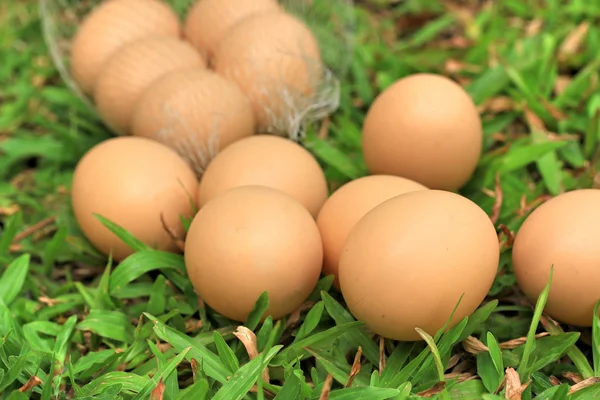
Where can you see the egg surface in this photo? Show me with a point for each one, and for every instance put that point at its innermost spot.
(132, 181)
(132, 69)
(112, 24)
(408, 261)
(275, 59)
(249, 240)
(347, 205)
(563, 232)
(194, 111)
(266, 160)
(208, 21)
(424, 127)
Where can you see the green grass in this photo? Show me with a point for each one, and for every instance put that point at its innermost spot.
(73, 326)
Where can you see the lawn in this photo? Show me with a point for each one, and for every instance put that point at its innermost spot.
(74, 326)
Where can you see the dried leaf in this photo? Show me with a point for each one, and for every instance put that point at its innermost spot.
(355, 367)
(573, 377)
(561, 83)
(583, 384)
(573, 41)
(30, 384)
(498, 196)
(158, 391)
(436, 389)
(514, 343)
(326, 388)
(514, 389)
(473, 345)
(248, 339)
(533, 27)
(382, 360)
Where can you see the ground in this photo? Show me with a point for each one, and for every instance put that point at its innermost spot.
(71, 327)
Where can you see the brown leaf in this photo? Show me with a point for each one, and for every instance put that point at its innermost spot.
(355, 367)
(552, 109)
(179, 241)
(10, 210)
(454, 360)
(33, 229)
(514, 343)
(535, 123)
(326, 388)
(294, 317)
(596, 184)
(555, 381)
(248, 339)
(561, 83)
(583, 384)
(460, 377)
(573, 41)
(514, 389)
(30, 384)
(498, 195)
(498, 104)
(533, 27)
(573, 377)
(382, 360)
(473, 345)
(157, 392)
(508, 234)
(436, 389)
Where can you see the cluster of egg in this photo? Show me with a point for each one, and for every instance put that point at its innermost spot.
(403, 247)
(231, 69)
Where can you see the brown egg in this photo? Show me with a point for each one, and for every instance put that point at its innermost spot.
(194, 111)
(266, 160)
(424, 127)
(250, 240)
(132, 69)
(408, 261)
(111, 25)
(132, 181)
(275, 59)
(564, 232)
(208, 20)
(347, 205)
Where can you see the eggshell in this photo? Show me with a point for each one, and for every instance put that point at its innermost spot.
(408, 261)
(132, 181)
(132, 69)
(194, 111)
(266, 160)
(563, 232)
(208, 20)
(276, 61)
(250, 240)
(424, 127)
(347, 205)
(112, 24)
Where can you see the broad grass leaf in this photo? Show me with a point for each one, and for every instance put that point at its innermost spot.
(467, 390)
(560, 392)
(141, 263)
(359, 336)
(213, 366)
(199, 390)
(130, 383)
(11, 228)
(338, 369)
(242, 381)
(596, 339)
(292, 387)
(158, 299)
(362, 393)
(323, 338)
(108, 324)
(262, 337)
(311, 321)
(495, 353)
(225, 353)
(13, 279)
(335, 158)
(16, 365)
(486, 370)
(590, 392)
(161, 375)
(395, 362)
(124, 235)
(260, 307)
(94, 359)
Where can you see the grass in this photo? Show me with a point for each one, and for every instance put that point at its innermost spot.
(73, 326)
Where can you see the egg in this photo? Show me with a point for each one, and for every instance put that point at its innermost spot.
(208, 21)
(132, 181)
(249, 240)
(347, 205)
(112, 24)
(564, 233)
(194, 111)
(266, 160)
(132, 69)
(424, 127)
(275, 59)
(409, 260)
